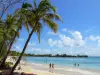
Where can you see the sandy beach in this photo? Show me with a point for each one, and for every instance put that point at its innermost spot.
(43, 69)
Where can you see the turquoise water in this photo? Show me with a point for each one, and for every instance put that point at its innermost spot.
(88, 63)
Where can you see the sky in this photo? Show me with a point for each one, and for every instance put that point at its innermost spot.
(78, 34)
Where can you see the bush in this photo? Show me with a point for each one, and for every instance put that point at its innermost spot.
(8, 64)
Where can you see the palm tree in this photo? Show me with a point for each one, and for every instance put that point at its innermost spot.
(21, 19)
(44, 12)
(1, 34)
(9, 31)
(4, 48)
(5, 5)
(5, 37)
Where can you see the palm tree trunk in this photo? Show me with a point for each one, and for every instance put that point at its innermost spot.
(2, 64)
(3, 43)
(12, 70)
(1, 47)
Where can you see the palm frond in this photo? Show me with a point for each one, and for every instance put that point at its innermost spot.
(35, 6)
(27, 26)
(26, 5)
(53, 16)
(53, 8)
(51, 24)
(38, 30)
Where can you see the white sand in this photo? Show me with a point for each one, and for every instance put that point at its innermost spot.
(41, 69)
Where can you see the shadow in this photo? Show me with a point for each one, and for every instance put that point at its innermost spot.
(16, 73)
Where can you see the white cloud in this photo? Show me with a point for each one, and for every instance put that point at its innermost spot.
(52, 33)
(31, 44)
(64, 40)
(64, 30)
(21, 39)
(78, 40)
(52, 42)
(16, 47)
(42, 51)
(98, 43)
(67, 41)
(77, 35)
(57, 43)
(71, 42)
(36, 49)
(93, 38)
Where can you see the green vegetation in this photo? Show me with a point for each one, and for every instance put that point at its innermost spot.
(32, 16)
(14, 53)
(8, 64)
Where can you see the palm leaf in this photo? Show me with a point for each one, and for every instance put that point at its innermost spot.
(51, 24)
(35, 6)
(27, 26)
(26, 5)
(38, 30)
(53, 16)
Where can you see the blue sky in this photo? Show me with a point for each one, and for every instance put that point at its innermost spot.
(78, 34)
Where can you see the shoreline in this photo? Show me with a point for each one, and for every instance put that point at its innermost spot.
(43, 69)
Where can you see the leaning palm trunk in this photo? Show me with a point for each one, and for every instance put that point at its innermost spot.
(3, 43)
(1, 48)
(12, 70)
(2, 64)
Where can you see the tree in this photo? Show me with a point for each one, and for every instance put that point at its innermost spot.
(6, 33)
(9, 31)
(18, 23)
(1, 36)
(4, 49)
(43, 12)
(4, 6)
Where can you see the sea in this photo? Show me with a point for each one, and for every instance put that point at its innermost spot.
(84, 63)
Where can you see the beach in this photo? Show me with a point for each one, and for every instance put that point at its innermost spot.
(43, 69)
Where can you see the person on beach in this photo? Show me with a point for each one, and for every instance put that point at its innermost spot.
(78, 64)
(75, 64)
(50, 67)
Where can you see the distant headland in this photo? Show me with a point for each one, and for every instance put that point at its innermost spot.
(14, 53)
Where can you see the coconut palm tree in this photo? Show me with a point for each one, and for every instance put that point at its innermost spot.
(5, 5)
(5, 37)
(4, 48)
(1, 33)
(9, 31)
(44, 12)
(20, 19)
